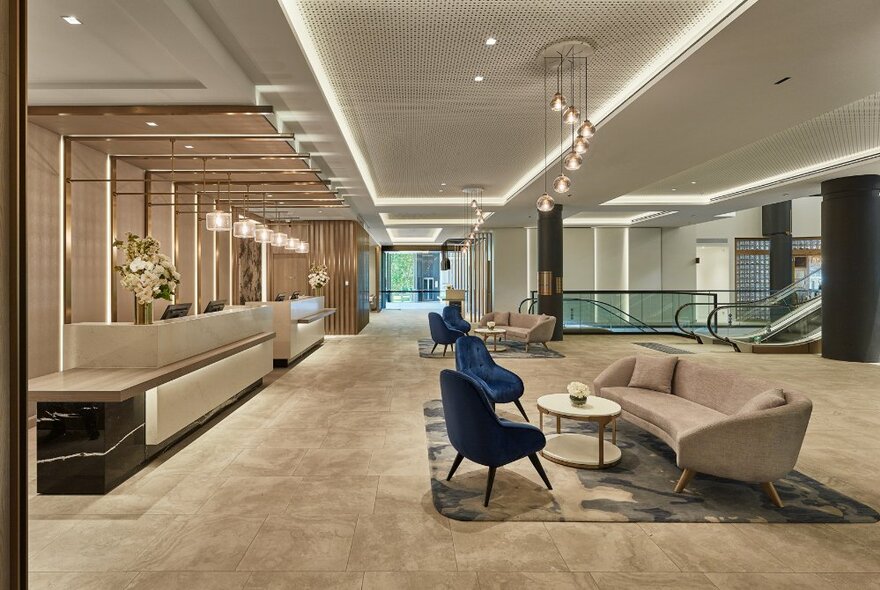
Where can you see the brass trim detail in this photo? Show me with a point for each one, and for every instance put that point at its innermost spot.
(559, 285)
(545, 282)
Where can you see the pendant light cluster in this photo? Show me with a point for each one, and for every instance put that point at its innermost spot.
(474, 198)
(246, 228)
(574, 125)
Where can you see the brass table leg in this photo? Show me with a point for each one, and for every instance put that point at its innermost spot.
(614, 430)
(558, 426)
(601, 443)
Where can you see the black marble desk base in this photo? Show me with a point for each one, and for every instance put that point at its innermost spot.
(91, 447)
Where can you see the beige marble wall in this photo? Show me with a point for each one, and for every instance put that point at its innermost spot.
(162, 230)
(129, 218)
(185, 259)
(43, 224)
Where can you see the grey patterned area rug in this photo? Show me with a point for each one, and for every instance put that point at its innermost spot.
(638, 489)
(514, 350)
(663, 348)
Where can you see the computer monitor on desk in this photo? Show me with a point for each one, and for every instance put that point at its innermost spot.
(215, 306)
(176, 310)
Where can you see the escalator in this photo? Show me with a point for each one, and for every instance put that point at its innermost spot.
(788, 321)
(599, 317)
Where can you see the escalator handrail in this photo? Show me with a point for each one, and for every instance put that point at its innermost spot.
(614, 310)
(690, 333)
(712, 319)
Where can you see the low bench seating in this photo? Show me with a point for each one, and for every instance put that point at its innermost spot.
(718, 422)
(523, 327)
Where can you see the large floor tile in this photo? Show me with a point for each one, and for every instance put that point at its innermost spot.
(505, 546)
(97, 545)
(711, 548)
(404, 493)
(775, 581)
(79, 581)
(420, 581)
(402, 542)
(606, 547)
(333, 495)
(255, 496)
(305, 581)
(301, 543)
(334, 462)
(655, 581)
(188, 581)
(529, 580)
(204, 542)
(263, 461)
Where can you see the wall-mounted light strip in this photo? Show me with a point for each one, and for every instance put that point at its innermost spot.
(61, 253)
(108, 245)
(614, 221)
(435, 221)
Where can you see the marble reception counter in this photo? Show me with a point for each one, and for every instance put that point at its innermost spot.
(127, 392)
(298, 326)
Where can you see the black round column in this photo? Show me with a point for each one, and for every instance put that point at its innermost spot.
(851, 268)
(550, 266)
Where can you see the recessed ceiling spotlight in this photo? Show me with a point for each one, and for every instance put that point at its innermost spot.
(152, 124)
(189, 147)
(675, 189)
(441, 190)
(442, 184)
(490, 41)
(71, 20)
(693, 182)
(478, 78)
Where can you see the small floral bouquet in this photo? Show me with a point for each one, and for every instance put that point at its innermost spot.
(491, 325)
(578, 392)
(318, 276)
(147, 273)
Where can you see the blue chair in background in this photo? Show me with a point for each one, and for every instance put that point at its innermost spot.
(453, 319)
(479, 435)
(442, 333)
(501, 386)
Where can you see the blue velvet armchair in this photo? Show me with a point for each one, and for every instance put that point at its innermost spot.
(453, 319)
(501, 386)
(479, 435)
(441, 333)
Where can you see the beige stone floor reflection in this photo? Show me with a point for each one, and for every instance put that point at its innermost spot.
(321, 481)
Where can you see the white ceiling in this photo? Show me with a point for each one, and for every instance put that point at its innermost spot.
(410, 116)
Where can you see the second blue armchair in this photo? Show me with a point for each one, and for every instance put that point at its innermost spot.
(502, 386)
(441, 333)
(452, 317)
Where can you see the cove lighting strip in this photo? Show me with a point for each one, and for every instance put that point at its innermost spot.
(398, 239)
(614, 222)
(750, 188)
(687, 43)
(434, 221)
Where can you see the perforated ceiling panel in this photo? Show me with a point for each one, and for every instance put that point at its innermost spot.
(842, 134)
(403, 72)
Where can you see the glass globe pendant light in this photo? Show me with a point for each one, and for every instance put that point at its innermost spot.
(571, 115)
(586, 130)
(572, 161)
(557, 103)
(545, 203)
(580, 145)
(562, 183)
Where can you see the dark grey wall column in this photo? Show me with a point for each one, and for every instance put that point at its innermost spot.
(851, 268)
(776, 225)
(550, 266)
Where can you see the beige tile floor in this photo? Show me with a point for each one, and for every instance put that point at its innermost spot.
(321, 481)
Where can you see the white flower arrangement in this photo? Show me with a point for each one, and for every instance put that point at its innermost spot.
(318, 276)
(490, 325)
(578, 392)
(147, 273)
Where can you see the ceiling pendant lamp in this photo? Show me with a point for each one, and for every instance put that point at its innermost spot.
(557, 103)
(572, 161)
(571, 115)
(562, 183)
(545, 203)
(217, 220)
(303, 248)
(587, 129)
(580, 145)
(279, 239)
(263, 235)
(244, 228)
(292, 243)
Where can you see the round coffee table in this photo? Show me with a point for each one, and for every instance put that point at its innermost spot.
(580, 450)
(495, 333)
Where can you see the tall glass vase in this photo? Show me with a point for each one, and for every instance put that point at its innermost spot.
(143, 315)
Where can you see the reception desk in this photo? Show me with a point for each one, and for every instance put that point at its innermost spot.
(127, 392)
(298, 325)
